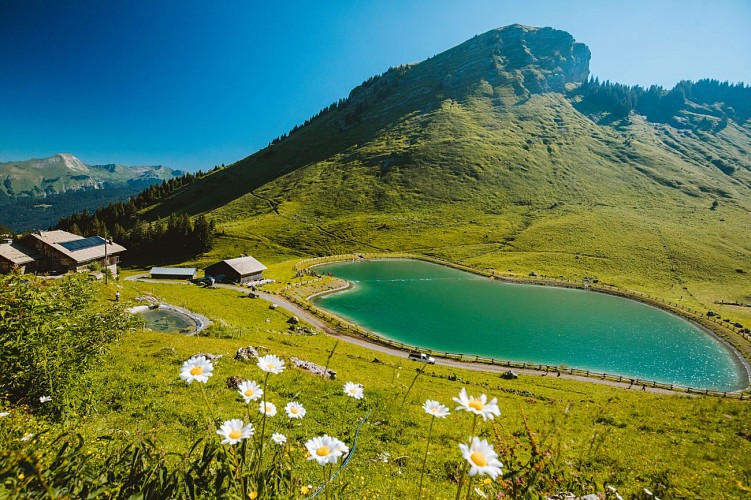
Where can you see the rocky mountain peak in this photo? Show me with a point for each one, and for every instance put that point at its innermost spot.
(531, 60)
(71, 162)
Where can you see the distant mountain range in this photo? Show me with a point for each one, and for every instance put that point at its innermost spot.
(36, 193)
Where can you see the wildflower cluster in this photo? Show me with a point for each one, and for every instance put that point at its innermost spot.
(235, 433)
(480, 455)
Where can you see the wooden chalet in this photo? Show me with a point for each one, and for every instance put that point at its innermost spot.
(60, 251)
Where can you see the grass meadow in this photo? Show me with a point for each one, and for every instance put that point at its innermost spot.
(552, 434)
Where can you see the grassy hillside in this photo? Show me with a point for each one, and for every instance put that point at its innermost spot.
(553, 434)
(462, 157)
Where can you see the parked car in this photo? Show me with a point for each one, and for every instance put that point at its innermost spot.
(421, 356)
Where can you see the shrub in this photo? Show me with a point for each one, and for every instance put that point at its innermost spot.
(50, 332)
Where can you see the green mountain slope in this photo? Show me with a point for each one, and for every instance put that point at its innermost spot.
(497, 153)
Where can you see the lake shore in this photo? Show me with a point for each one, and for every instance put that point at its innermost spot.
(742, 363)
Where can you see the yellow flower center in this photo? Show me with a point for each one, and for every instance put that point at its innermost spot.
(235, 434)
(253, 495)
(323, 451)
(249, 392)
(196, 370)
(479, 459)
(476, 404)
(293, 409)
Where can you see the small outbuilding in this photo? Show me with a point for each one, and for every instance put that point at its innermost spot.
(14, 257)
(241, 270)
(173, 273)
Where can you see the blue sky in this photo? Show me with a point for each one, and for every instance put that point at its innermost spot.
(196, 84)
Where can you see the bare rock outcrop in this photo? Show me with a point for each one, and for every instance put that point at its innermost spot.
(313, 368)
(246, 353)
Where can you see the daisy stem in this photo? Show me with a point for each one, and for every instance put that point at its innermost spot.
(263, 429)
(208, 405)
(425, 459)
(409, 389)
(250, 420)
(474, 426)
(236, 475)
(346, 412)
(291, 469)
(461, 482)
(469, 487)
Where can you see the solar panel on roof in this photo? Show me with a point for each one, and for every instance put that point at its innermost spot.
(75, 245)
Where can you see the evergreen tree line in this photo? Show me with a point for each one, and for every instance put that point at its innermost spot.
(383, 86)
(340, 104)
(120, 221)
(659, 104)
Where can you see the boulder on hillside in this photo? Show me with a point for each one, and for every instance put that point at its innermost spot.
(234, 382)
(510, 375)
(313, 368)
(210, 357)
(246, 353)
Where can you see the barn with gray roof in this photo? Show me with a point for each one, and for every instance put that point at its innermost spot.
(241, 270)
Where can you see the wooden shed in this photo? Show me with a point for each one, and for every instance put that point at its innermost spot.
(173, 273)
(14, 257)
(241, 270)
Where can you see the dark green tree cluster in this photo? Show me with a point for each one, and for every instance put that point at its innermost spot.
(121, 221)
(731, 100)
(176, 235)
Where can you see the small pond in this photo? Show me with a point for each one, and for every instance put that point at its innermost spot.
(447, 310)
(168, 320)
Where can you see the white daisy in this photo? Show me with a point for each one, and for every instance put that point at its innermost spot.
(481, 457)
(278, 438)
(250, 391)
(44, 399)
(271, 363)
(233, 431)
(4, 414)
(353, 390)
(478, 405)
(325, 449)
(435, 409)
(27, 436)
(197, 368)
(295, 410)
(267, 408)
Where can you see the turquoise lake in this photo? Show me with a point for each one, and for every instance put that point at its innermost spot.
(444, 309)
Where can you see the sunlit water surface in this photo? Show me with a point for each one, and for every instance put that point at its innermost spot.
(448, 310)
